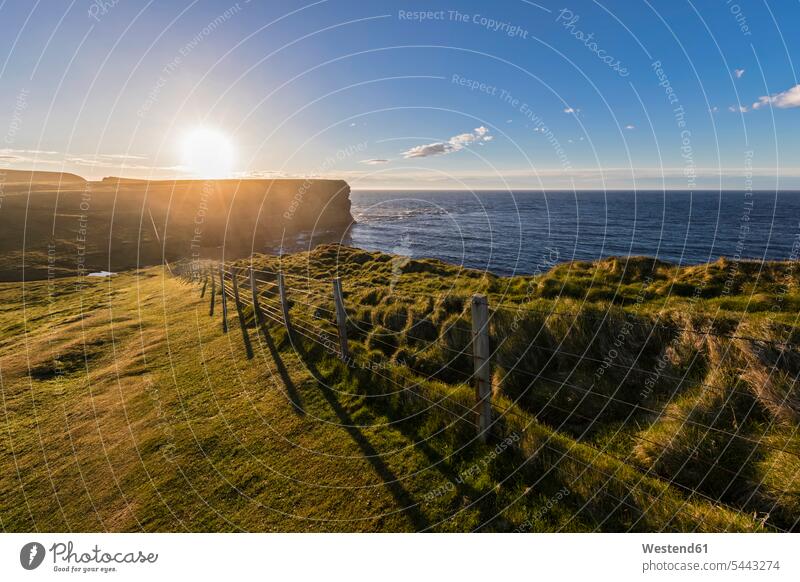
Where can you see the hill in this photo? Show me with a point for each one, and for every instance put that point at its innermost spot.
(128, 409)
(59, 224)
(34, 178)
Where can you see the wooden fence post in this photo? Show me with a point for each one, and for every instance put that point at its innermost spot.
(213, 295)
(245, 338)
(205, 282)
(341, 317)
(256, 305)
(284, 304)
(482, 364)
(224, 296)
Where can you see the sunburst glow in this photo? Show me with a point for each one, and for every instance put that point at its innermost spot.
(207, 153)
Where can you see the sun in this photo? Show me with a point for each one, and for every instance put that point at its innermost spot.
(207, 153)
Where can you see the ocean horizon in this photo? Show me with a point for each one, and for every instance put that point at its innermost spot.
(525, 231)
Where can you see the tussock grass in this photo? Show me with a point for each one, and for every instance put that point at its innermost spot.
(165, 425)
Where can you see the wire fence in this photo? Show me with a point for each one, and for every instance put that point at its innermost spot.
(323, 318)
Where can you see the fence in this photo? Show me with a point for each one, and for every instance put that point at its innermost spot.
(267, 293)
(268, 298)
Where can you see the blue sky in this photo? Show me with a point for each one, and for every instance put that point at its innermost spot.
(584, 94)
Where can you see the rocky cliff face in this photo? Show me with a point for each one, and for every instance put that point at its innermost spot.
(118, 224)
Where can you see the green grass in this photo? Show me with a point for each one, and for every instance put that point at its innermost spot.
(126, 408)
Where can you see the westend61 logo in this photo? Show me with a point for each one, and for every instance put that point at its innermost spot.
(66, 559)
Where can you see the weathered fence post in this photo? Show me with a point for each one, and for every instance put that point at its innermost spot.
(256, 305)
(205, 282)
(284, 304)
(224, 297)
(213, 295)
(245, 338)
(341, 317)
(482, 363)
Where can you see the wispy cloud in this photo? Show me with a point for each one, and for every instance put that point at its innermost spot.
(26, 156)
(571, 110)
(783, 100)
(10, 151)
(263, 174)
(630, 126)
(454, 144)
(738, 73)
(121, 157)
(738, 109)
(375, 162)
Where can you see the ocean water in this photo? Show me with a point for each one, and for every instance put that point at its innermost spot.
(519, 232)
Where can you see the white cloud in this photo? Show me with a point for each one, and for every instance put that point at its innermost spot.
(738, 73)
(431, 149)
(454, 144)
(375, 162)
(35, 152)
(122, 157)
(630, 126)
(714, 109)
(263, 174)
(571, 110)
(738, 109)
(783, 100)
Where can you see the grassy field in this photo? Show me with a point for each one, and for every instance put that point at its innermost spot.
(56, 225)
(125, 407)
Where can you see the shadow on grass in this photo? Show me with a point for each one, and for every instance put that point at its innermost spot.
(291, 389)
(409, 507)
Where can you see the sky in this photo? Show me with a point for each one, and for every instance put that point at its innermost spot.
(425, 95)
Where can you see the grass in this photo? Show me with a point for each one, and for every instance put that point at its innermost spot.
(75, 227)
(125, 407)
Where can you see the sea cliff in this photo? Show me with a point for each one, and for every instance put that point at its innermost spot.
(59, 224)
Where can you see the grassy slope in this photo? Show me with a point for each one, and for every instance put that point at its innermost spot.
(126, 408)
(60, 228)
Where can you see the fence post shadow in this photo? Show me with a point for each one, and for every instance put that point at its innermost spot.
(435, 459)
(409, 507)
(283, 372)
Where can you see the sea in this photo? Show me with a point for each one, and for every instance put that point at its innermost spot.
(524, 232)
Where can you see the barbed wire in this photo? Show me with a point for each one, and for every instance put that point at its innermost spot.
(314, 333)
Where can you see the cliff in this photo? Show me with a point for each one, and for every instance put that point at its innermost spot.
(70, 225)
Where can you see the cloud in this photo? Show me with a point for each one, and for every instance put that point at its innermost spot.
(714, 109)
(630, 126)
(454, 144)
(431, 149)
(783, 100)
(121, 157)
(738, 109)
(263, 174)
(375, 162)
(571, 110)
(25, 156)
(738, 73)
(19, 153)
